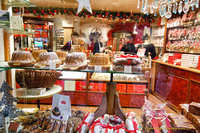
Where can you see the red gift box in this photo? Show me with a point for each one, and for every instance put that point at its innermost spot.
(94, 87)
(121, 88)
(79, 85)
(44, 34)
(102, 87)
(45, 27)
(38, 27)
(140, 89)
(37, 34)
(131, 88)
(177, 55)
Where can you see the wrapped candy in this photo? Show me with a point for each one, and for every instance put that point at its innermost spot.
(83, 127)
(132, 125)
(50, 126)
(57, 126)
(63, 128)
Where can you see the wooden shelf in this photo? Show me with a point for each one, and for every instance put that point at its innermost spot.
(119, 81)
(182, 52)
(98, 80)
(133, 93)
(180, 67)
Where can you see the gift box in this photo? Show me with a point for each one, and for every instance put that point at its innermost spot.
(121, 88)
(98, 87)
(80, 85)
(131, 88)
(140, 89)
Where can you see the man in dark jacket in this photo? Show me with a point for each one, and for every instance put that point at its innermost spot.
(129, 47)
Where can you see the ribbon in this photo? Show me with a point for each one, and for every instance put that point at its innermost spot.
(83, 122)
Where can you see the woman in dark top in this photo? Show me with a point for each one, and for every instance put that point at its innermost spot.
(129, 47)
(148, 46)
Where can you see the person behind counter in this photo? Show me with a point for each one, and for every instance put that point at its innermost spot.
(128, 47)
(68, 45)
(148, 46)
(98, 45)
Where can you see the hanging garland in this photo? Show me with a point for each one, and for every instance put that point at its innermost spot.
(40, 12)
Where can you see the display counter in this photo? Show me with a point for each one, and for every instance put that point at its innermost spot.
(175, 84)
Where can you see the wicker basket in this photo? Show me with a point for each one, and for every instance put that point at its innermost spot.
(36, 78)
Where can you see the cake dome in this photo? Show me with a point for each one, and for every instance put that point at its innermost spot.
(21, 59)
(61, 55)
(36, 54)
(45, 59)
(75, 61)
(100, 59)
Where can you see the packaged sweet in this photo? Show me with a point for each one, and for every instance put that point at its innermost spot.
(56, 128)
(63, 128)
(50, 126)
(84, 126)
(194, 108)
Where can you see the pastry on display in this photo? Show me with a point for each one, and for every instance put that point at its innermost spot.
(75, 61)
(36, 54)
(132, 61)
(128, 77)
(47, 59)
(77, 122)
(100, 59)
(21, 59)
(36, 78)
(61, 55)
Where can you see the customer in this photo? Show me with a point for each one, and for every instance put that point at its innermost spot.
(128, 47)
(68, 45)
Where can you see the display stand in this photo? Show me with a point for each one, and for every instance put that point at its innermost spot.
(110, 103)
(54, 90)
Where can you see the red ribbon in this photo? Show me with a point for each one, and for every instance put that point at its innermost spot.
(83, 122)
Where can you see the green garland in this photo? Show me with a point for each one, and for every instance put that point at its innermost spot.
(134, 17)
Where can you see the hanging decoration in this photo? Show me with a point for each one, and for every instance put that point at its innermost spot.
(167, 7)
(121, 16)
(84, 4)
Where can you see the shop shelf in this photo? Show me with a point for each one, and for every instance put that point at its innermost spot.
(121, 81)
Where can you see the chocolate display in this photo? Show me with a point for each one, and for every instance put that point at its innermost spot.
(127, 61)
(75, 61)
(43, 123)
(36, 78)
(120, 68)
(21, 59)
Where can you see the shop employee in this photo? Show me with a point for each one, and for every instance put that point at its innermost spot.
(128, 47)
(68, 45)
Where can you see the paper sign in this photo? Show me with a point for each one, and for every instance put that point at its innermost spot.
(141, 52)
(61, 107)
(97, 68)
(127, 69)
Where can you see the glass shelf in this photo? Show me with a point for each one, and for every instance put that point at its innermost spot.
(19, 3)
(4, 65)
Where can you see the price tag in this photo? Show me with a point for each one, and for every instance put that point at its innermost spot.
(127, 69)
(97, 68)
(141, 52)
(52, 66)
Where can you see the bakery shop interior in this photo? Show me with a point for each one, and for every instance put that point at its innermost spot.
(94, 66)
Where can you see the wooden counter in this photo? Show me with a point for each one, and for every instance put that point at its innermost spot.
(175, 84)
